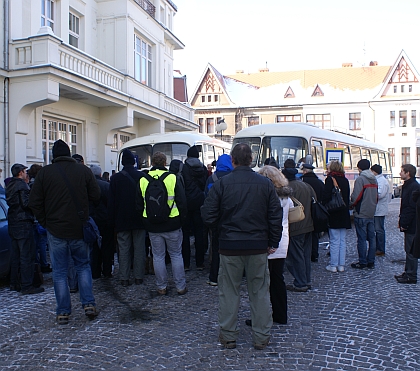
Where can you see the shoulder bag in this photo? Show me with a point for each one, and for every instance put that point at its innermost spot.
(320, 216)
(336, 203)
(297, 212)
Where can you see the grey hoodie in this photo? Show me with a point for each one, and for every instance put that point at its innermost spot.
(365, 195)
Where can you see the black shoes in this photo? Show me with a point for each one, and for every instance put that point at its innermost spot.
(406, 280)
(370, 265)
(15, 288)
(90, 311)
(138, 281)
(46, 269)
(297, 289)
(33, 290)
(74, 290)
(125, 283)
(402, 275)
(358, 265)
(248, 322)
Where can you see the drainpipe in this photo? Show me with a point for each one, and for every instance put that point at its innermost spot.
(6, 161)
(374, 123)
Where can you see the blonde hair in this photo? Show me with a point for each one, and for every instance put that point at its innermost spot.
(336, 166)
(275, 175)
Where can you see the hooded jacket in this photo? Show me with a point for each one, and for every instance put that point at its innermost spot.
(383, 196)
(365, 195)
(195, 177)
(17, 198)
(223, 167)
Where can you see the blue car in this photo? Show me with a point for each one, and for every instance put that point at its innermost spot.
(5, 244)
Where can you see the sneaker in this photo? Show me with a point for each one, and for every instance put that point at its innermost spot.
(211, 283)
(63, 319)
(330, 268)
(183, 292)
(380, 253)
(340, 268)
(33, 290)
(231, 344)
(370, 265)
(358, 266)
(297, 289)
(90, 311)
(161, 291)
(262, 345)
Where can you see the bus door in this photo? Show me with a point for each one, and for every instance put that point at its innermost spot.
(317, 152)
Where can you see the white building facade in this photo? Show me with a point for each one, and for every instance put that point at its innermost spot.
(95, 73)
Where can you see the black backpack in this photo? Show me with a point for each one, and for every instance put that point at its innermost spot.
(156, 197)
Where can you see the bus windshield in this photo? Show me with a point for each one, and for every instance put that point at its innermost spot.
(280, 148)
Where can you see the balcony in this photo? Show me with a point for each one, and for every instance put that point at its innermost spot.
(147, 6)
(49, 51)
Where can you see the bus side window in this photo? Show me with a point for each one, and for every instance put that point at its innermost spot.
(375, 157)
(347, 157)
(219, 151)
(317, 153)
(355, 156)
(209, 155)
(366, 154)
(329, 144)
(383, 162)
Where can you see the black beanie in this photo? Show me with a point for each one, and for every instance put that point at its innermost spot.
(127, 158)
(363, 164)
(377, 169)
(193, 152)
(60, 148)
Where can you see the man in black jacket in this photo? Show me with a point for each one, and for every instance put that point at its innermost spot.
(243, 205)
(310, 177)
(195, 177)
(407, 223)
(21, 221)
(60, 201)
(131, 235)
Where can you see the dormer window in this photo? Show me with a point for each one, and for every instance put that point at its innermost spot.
(402, 88)
(395, 88)
(317, 92)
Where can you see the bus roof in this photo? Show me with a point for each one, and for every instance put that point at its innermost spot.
(188, 137)
(305, 130)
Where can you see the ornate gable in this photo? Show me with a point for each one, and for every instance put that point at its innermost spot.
(403, 73)
(317, 92)
(289, 93)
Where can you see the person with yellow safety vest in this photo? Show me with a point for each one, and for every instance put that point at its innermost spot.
(164, 231)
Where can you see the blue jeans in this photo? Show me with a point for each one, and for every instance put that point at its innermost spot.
(365, 230)
(41, 247)
(61, 251)
(173, 241)
(380, 233)
(298, 261)
(337, 246)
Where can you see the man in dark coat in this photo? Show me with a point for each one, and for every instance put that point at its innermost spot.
(60, 201)
(102, 256)
(195, 177)
(298, 259)
(21, 232)
(407, 223)
(244, 206)
(310, 177)
(131, 234)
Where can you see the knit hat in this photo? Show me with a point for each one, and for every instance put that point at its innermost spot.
(60, 148)
(96, 170)
(193, 152)
(289, 163)
(128, 157)
(78, 158)
(377, 169)
(363, 164)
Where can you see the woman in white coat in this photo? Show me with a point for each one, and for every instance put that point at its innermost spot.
(278, 292)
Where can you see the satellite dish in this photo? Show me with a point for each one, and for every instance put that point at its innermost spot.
(221, 126)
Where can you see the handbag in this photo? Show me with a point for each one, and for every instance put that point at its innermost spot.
(296, 213)
(90, 229)
(336, 203)
(320, 216)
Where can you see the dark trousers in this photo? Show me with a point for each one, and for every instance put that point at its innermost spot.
(215, 257)
(195, 222)
(23, 255)
(298, 259)
(315, 244)
(411, 263)
(101, 258)
(278, 292)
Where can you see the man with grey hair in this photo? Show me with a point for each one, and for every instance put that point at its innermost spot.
(101, 258)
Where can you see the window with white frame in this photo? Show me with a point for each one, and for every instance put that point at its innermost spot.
(47, 13)
(142, 61)
(323, 121)
(52, 130)
(355, 120)
(119, 140)
(74, 30)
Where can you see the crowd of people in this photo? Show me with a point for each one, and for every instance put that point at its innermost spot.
(148, 217)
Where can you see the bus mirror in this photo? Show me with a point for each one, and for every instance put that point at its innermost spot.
(309, 159)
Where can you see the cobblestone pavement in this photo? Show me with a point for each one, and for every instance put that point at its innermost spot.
(356, 320)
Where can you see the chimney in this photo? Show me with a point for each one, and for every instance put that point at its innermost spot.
(239, 71)
(347, 65)
(373, 63)
(263, 70)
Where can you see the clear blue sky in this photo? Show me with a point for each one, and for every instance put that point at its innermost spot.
(293, 34)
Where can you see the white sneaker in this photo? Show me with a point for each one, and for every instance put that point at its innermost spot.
(331, 268)
(340, 268)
